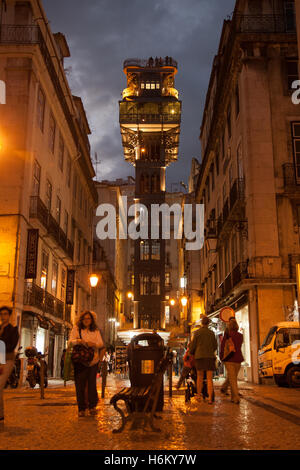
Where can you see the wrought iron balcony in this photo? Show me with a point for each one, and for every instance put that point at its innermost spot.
(270, 23)
(39, 211)
(239, 273)
(39, 298)
(150, 118)
(291, 176)
(145, 63)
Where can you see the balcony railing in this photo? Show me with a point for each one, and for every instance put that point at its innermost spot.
(271, 23)
(291, 175)
(145, 63)
(149, 118)
(39, 298)
(235, 200)
(239, 272)
(39, 211)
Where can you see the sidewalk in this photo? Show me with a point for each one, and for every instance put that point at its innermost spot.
(267, 418)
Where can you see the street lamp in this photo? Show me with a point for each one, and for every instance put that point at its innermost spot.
(172, 302)
(184, 301)
(94, 279)
(130, 295)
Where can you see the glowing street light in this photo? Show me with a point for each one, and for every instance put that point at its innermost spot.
(94, 279)
(184, 301)
(130, 295)
(172, 302)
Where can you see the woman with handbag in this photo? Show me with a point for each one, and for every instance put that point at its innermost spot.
(9, 337)
(232, 356)
(86, 341)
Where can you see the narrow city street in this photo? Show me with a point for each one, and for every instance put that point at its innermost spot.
(268, 418)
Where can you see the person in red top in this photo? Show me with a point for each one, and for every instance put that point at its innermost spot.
(188, 364)
(234, 360)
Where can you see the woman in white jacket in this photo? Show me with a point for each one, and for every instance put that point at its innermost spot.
(87, 332)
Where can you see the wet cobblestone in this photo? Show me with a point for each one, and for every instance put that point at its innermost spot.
(268, 418)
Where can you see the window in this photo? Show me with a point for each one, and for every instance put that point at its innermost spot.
(296, 147)
(144, 284)
(61, 150)
(207, 188)
(234, 250)
(290, 20)
(54, 278)
(292, 72)
(155, 285)
(52, 129)
(217, 163)
(48, 195)
(237, 101)
(212, 171)
(75, 186)
(66, 222)
(229, 122)
(58, 210)
(167, 279)
(63, 285)
(44, 270)
(79, 248)
(41, 109)
(36, 179)
(144, 250)
(230, 173)
(69, 171)
(155, 250)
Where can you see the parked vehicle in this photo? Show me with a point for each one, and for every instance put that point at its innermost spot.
(35, 361)
(279, 355)
(13, 380)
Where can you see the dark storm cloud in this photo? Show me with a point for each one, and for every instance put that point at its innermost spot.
(102, 33)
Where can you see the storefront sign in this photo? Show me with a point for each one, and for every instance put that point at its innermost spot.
(70, 287)
(32, 254)
(226, 313)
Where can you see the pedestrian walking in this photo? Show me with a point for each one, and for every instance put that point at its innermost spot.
(87, 334)
(234, 359)
(188, 364)
(203, 347)
(9, 336)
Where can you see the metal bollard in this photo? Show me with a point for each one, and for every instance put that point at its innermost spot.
(170, 379)
(104, 377)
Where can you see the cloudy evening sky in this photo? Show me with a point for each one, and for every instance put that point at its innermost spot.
(102, 33)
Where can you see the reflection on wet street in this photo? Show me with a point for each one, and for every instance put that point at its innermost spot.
(267, 418)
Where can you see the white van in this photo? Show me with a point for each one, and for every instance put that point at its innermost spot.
(279, 355)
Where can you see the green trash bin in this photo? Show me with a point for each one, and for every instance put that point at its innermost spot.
(145, 351)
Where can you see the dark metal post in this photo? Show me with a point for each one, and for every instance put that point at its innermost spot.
(170, 372)
(42, 378)
(104, 377)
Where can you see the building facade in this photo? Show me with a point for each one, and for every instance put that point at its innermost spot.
(249, 178)
(47, 196)
(150, 115)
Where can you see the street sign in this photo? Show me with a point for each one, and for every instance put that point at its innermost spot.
(32, 254)
(226, 313)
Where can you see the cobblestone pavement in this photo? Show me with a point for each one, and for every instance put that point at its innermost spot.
(268, 418)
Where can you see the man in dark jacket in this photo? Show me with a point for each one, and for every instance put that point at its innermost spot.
(9, 337)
